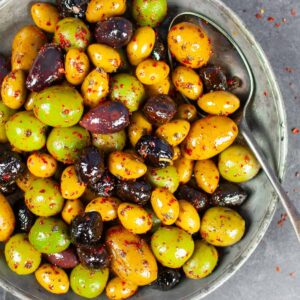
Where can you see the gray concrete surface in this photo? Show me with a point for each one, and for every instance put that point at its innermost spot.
(273, 271)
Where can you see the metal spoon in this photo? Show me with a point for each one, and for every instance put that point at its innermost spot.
(233, 59)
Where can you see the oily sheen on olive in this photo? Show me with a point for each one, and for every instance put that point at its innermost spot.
(24, 217)
(167, 279)
(105, 187)
(72, 8)
(214, 78)
(66, 259)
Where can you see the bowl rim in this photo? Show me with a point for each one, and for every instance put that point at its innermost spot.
(281, 167)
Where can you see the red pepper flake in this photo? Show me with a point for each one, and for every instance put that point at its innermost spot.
(277, 25)
(292, 274)
(293, 12)
(297, 174)
(265, 93)
(295, 130)
(284, 20)
(259, 16)
(289, 69)
(278, 269)
(271, 19)
(282, 219)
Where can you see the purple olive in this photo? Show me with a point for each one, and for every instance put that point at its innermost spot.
(47, 69)
(105, 187)
(66, 259)
(108, 117)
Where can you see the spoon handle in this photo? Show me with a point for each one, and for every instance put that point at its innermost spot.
(285, 200)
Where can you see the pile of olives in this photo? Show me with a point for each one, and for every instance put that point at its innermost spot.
(119, 183)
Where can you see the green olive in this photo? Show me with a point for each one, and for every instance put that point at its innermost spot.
(109, 142)
(5, 114)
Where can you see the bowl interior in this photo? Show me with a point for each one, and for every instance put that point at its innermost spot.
(267, 112)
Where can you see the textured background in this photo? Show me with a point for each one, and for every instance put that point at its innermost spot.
(273, 271)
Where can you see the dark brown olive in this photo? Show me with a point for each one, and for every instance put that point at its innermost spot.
(197, 198)
(167, 279)
(24, 217)
(72, 8)
(4, 68)
(214, 78)
(8, 188)
(90, 165)
(47, 69)
(138, 192)
(108, 117)
(86, 229)
(160, 109)
(115, 32)
(234, 83)
(105, 187)
(95, 257)
(66, 259)
(229, 195)
(159, 51)
(156, 152)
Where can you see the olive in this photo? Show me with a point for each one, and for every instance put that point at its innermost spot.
(138, 192)
(86, 228)
(4, 67)
(197, 198)
(95, 257)
(47, 69)
(90, 166)
(8, 188)
(156, 152)
(72, 8)
(11, 167)
(229, 195)
(108, 117)
(213, 78)
(234, 83)
(105, 187)
(24, 217)
(167, 279)
(66, 259)
(115, 32)
(159, 51)
(159, 109)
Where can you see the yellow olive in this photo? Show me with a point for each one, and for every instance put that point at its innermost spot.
(77, 66)
(30, 101)
(24, 182)
(72, 208)
(222, 227)
(132, 259)
(95, 87)
(163, 87)
(104, 57)
(53, 279)
(7, 219)
(13, 90)
(187, 112)
(141, 45)
(188, 219)
(174, 132)
(184, 167)
(107, 207)
(177, 153)
(134, 218)
(71, 186)
(219, 103)
(99, 10)
(119, 289)
(165, 206)
(190, 44)
(238, 164)
(26, 45)
(208, 137)
(187, 82)
(126, 166)
(151, 71)
(207, 175)
(41, 165)
(138, 127)
(45, 16)
(109, 142)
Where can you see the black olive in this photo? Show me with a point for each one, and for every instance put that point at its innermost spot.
(156, 152)
(95, 257)
(86, 229)
(138, 192)
(159, 51)
(4, 67)
(167, 279)
(214, 78)
(11, 167)
(234, 83)
(72, 8)
(90, 166)
(197, 198)
(229, 195)
(24, 217)
(8, 188)
(105, 187)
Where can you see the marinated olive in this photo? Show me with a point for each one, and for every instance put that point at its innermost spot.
(159, 109)
(155, 151)
(105, 187)
(86, 229)
(222, 227)
(7, 219)
(163, 87)
(24, 182)
(24, 217)
(167, 279)
(66, 259)
(115, 32)
(187, 112)
(20, 255)
(238, 164)
(184, 167)
(109, 142)
(159, 51)
(214, 78)
(177, 153)
(41, 165)
(172, 246)
(72, 208)
(228, 194)
(108, 117)
(93, 257)
(138, 192)
(5, 114)
(28, 105)
(119, 289)
(72, 8)
(90, 166)
(49, 235)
